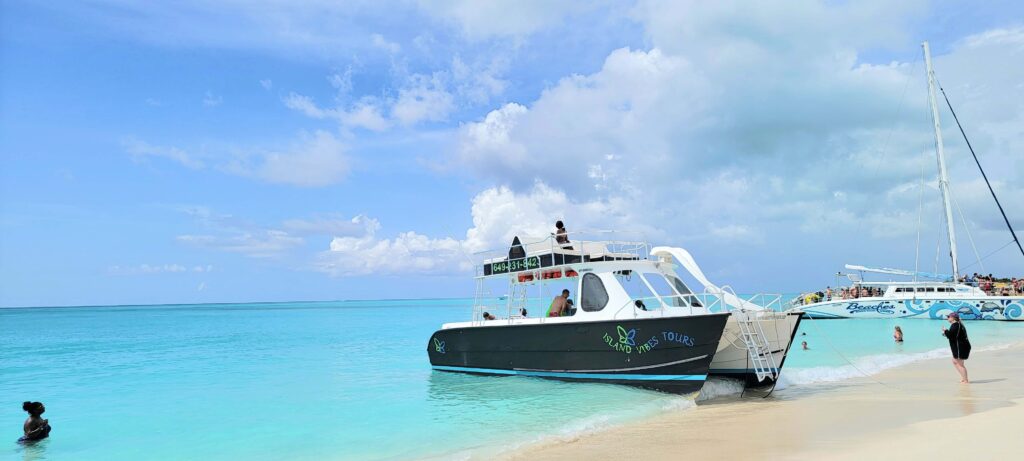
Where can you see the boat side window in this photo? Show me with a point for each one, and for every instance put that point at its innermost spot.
(920, 289)
(930, 289)
(899, 290)
(593, 296)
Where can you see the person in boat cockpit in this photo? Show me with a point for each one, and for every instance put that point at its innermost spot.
(559, 305)
(561, 236)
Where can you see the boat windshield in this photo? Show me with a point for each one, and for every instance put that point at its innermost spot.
(657, 290)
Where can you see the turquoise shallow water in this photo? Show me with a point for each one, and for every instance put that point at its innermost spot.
(333, 380)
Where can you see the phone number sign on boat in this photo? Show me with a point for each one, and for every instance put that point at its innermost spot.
(515, 265)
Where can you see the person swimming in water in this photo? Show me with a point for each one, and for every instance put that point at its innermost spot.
(897, 335)
(36, 428)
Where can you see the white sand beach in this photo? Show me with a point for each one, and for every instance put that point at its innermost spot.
(919, 411)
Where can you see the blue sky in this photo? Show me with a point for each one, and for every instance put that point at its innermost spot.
(269, 151)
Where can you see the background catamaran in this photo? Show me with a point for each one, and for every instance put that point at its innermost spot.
(915, 299)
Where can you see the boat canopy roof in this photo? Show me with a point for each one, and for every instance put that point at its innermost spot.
(545, 259)
(890, 271)
(548, 253)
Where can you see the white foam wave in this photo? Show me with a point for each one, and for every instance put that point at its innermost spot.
(678, 403)
(576, 429)
(595, 423)
(583, 426)
(864, 366)
(716, 387)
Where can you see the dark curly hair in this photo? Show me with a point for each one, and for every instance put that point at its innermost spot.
(33, 408)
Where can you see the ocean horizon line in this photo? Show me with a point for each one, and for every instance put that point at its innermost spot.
(155, 305)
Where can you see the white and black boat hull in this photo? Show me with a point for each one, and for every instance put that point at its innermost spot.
(732, 360)
(670, 354)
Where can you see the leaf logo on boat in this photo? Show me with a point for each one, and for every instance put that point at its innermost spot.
(627, 341)
(438, 346)
(627, 338)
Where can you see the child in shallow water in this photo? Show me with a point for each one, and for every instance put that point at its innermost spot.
(36, 428)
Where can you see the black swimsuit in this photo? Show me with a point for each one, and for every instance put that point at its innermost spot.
(959, 345)
(40, 435)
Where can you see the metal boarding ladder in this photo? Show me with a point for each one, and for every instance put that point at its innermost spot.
(518, 298)
(482, 294)
(758, 348)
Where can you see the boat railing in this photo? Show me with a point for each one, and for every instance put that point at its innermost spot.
(503, 311)
(724, 299)
(537, 253)
(659, 303)
(710, 300)
(769, 301)
(715, 298)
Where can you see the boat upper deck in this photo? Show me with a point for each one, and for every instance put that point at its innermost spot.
(547, 253)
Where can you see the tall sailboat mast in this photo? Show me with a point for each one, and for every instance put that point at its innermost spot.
(943, 178)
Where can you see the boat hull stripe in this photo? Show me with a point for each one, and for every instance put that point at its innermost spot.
(609, 370)
(568, 375)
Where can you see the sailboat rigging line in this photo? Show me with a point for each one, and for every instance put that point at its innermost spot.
(899, 109)
(997, 250)
(968, 230)
(849, 362)
(983, 175)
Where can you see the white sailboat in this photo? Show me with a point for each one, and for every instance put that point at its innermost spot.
(927, 300)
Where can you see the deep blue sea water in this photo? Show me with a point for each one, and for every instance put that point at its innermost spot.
(334, 380)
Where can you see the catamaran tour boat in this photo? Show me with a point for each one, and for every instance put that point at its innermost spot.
(915, 299)
(920, 300)
(635, 323)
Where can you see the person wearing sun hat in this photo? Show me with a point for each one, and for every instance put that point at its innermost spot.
(959, 345)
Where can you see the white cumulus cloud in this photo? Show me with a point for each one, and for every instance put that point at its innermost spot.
(315, 160)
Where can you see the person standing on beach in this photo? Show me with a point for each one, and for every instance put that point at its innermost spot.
(959, 345)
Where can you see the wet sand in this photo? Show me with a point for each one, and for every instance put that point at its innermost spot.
(918, 411)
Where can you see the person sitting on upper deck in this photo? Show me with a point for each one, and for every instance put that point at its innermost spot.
(488, 316)
(561, 236)
(559, 304)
